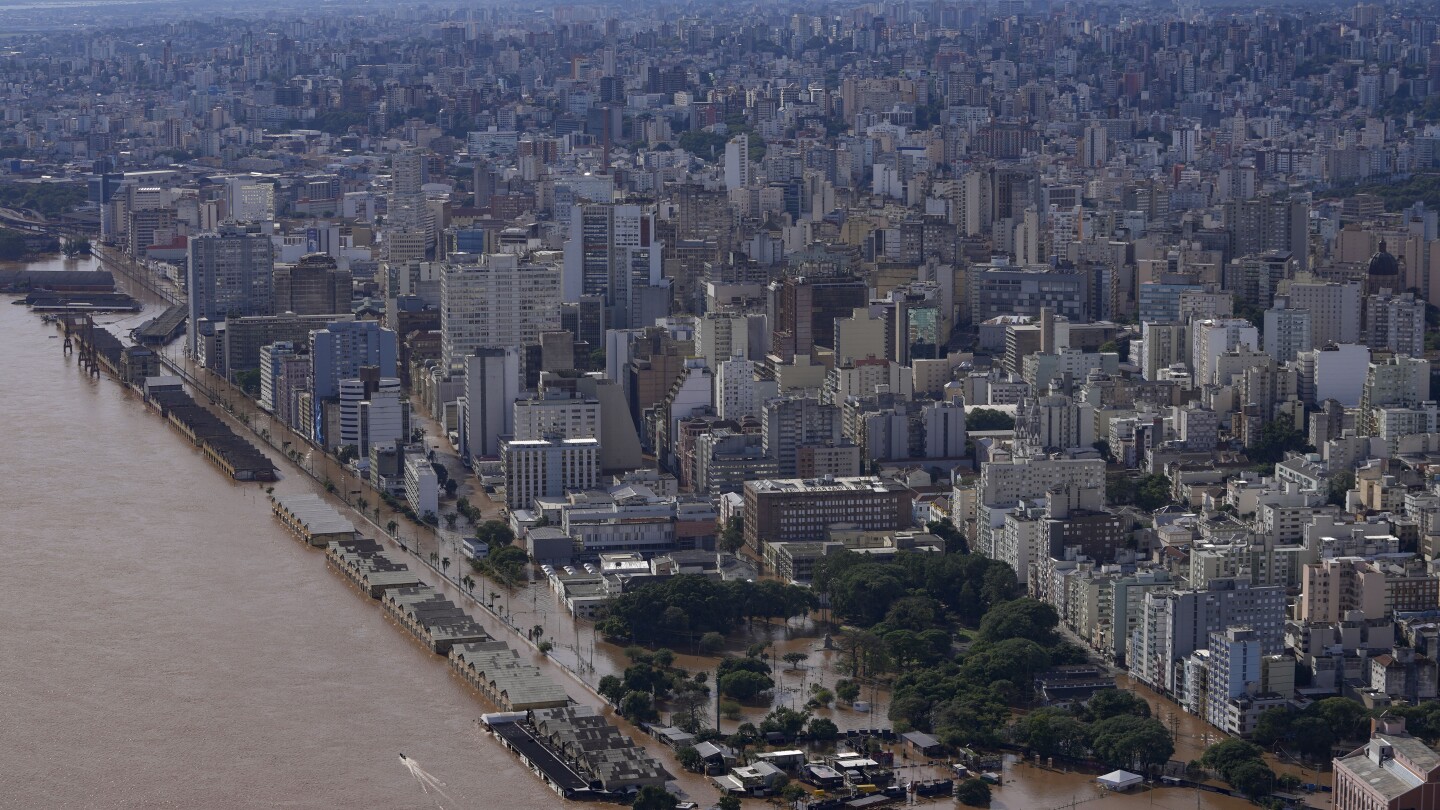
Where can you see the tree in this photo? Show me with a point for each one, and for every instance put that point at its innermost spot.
(988, 419)
(1050, 731)
(690, 759)
(469, 583)
(1338, 486)
(732, 537)
(728, 802)
(711, 643)
(744, 685)
(792, 792)
(1153, 492)
(795, 659)
(612, 689)
(973, 792)
(1126, 741)
(391, 527)
(785, 721)
(822, 728)
(1115, 702)
(445, 565)
(1253, 778)
(847, 690)
(638, 708)
(1277, 438)
(1021, 618)
(1224, 756)
(654, 797)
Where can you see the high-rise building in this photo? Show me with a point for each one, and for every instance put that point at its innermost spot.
(1268, 223)
(1395, 323)
(1287, 330)
(737, 162)
(341, 349)
(495, 300)
(548, 468)
(1174, 624)
(312, 286)
(229, 273)
(1213, 337)
(794, 422)
(1335, 311)
(372, 412)
(493, 381)
(787, 510)
(612, 252)
(805, 311)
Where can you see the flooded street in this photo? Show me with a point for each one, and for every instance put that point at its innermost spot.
(171, 645)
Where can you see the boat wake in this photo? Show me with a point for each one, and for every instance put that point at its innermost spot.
(428, 782)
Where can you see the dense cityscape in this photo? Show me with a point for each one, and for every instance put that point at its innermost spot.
(904, 400)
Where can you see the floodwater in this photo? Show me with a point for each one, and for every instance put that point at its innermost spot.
(168, 644)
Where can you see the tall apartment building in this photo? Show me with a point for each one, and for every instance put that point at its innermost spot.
(557, 413)
(790, 423)
(372, 412)
(495, 300)
(1212, 338)
(1269, 223)
(1287, 330)
(612, 252)
(1395, 323)
(793, 509)
(1001, 289)
(1175, 624)
(1399, 382)
(229, 273)
(737, 162)
(1335, 310)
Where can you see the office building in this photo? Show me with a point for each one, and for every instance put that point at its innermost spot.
(229, 273)
(495, 300)
(793, 509)
(312, 286)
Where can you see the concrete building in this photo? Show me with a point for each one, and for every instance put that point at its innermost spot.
(229, 273)
(422, 488)
(372, 411)
(798, 509)
(1393, 771)
(1335, 310)
(338, 351)
(1000, 289)
(558, 414)
(492, 385)
(1174, 624)
(312, 286)
(1332, 588)
(1212, 338)
(495, 300)
(548, 468)
(794, 422)
(1287, 330)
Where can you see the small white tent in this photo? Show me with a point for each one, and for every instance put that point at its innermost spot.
(1119, 780)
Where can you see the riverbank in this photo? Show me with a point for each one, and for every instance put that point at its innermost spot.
(321, 470)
